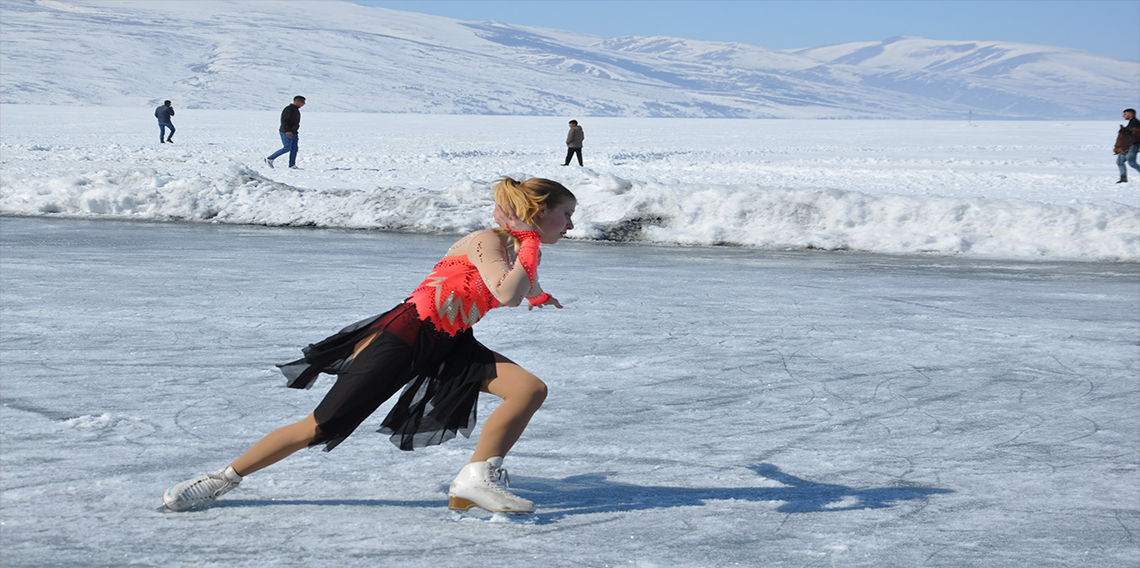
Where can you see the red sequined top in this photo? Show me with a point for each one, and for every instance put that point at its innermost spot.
(455, 294)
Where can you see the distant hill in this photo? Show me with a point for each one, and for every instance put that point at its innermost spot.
(349, 57)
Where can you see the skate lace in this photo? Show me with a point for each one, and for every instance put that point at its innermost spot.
(500, 478)
(208, 487)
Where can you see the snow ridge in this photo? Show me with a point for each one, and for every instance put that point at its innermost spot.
(618, 210)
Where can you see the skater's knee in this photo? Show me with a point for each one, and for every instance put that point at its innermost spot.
(526, 389)
(534, 392)
(517, 385)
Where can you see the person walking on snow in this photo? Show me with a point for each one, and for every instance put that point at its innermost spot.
(290, 124)
(425, 346)
(163, 114)
(574, 142)
(1128, 155)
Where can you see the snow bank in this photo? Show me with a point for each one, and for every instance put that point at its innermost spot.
(616, 209)
(776, 218)
(243, 196)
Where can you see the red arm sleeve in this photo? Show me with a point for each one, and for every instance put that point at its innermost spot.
(508, 282)
(528, 253)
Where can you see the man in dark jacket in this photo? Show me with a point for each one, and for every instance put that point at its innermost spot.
(163, 114)
(574, 142)
(290, 124)
(1129, 155)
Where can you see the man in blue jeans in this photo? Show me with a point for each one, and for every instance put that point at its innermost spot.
(290, 123)
(163, 114)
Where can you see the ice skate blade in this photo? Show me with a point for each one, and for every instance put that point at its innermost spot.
(461, 504)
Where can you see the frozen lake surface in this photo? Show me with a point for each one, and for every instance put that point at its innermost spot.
(708, 407)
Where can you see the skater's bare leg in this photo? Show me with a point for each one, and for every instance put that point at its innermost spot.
(277, 445)
(522, 394)
(282, 442)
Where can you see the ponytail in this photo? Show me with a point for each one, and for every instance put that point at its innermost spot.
(527, 198)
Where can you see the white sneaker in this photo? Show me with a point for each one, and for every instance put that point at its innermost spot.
(484, 484)
(269, 162)
(201, 490)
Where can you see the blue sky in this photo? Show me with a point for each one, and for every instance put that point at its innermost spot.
(1109, 27)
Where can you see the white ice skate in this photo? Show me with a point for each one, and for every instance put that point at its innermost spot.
(201, 490)
(484, 484)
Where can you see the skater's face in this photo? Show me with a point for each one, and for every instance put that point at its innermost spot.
(553, 223)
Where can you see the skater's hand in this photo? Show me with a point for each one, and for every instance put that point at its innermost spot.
(551, 302)
(507, 218)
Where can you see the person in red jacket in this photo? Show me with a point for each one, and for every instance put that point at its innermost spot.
(426, 347)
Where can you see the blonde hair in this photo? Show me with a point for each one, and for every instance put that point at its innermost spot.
(527, 198)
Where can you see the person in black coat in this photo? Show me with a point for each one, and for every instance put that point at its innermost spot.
(163, 114)
(290, 124)
(1129, 156)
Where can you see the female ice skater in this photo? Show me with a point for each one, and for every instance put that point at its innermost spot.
(426, 347)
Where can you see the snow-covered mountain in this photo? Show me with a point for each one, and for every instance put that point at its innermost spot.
(349, 57)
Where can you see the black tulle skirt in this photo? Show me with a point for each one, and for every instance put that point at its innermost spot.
(441, 376)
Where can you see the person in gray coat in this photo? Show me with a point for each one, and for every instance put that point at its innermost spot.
(574, 142)
(163, 114)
